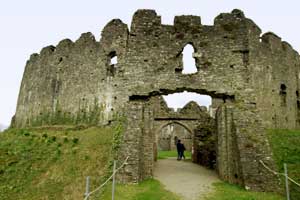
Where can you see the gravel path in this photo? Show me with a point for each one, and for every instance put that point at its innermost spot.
(188, 180)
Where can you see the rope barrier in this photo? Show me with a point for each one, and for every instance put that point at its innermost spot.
(277, 173)
(103, 184)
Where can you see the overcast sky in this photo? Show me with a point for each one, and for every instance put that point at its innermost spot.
(29, 25)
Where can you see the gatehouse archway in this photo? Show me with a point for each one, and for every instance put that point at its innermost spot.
(165, 136)
(148, 114)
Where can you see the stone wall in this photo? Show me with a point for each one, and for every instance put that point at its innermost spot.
(205, 144)
(257, 76)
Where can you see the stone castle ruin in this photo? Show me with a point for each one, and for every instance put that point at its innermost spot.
(253, 81)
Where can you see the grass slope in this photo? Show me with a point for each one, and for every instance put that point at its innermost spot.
(52, 164)
(286, 149)
(226, 191)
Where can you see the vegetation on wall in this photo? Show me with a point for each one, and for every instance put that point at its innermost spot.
(88, 115)
(205, 145)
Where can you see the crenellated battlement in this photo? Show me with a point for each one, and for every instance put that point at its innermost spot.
(187, 23)
(145, 23)
(271, 43)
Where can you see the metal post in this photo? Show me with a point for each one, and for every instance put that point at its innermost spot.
(286, 182)
(87, 187)
(113, 182)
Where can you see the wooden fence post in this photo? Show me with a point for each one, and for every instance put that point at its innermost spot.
(286, 182)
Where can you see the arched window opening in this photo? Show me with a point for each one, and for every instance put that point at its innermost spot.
(189, 62)
(112, 63)
(114, 60)
(283, 94)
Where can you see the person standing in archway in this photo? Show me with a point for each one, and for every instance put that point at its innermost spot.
(180, 150)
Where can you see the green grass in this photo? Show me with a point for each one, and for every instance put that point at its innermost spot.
(147, 190)
(286, 149)
(52, 164)
(226, 191)
(172, 154)
(286, 146)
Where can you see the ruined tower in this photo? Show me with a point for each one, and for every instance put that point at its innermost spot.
(253, 80)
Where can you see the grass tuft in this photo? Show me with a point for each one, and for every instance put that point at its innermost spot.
(226, 191)
(147, 190)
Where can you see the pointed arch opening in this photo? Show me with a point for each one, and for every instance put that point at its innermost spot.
(169, 132)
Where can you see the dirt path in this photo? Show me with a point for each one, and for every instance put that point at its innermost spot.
(189, 180)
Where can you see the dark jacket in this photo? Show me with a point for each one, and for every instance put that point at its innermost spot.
(180, 147)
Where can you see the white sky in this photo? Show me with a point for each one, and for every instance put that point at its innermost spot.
(29, 25)
(179, 100)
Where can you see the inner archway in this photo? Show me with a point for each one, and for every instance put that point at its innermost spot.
(169, 133)
(183, 114)
(167, 137)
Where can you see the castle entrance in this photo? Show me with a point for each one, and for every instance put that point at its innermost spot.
(215, 143)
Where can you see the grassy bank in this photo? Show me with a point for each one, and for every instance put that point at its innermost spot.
(286, 149)
(226, 191)
(52, 163)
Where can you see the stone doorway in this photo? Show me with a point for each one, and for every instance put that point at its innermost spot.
(194, 114)
(168, 133)
(169, 122)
